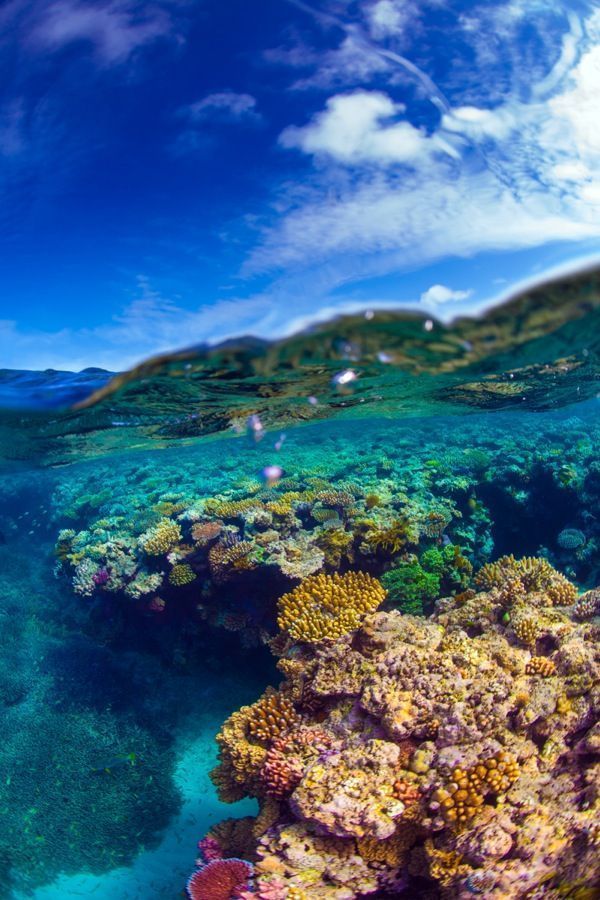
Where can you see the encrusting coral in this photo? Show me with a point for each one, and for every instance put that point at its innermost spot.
(429, 757)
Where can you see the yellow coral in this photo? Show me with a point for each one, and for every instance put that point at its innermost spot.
(392, 539)
(465, 794)
(233, 509)
(328, 606)
(240, 759)
(390, 851)
(161, 538)
(181, 574)
(444, 865)
(526, 629)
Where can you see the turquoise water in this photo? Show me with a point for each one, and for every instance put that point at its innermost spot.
(147, 536)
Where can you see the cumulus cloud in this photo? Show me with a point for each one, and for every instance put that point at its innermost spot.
(354, 128)
(439, 293)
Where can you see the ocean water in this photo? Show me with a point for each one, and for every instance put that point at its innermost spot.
(151, 522)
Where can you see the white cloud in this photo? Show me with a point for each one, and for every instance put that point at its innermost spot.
(518, 175)
(353, 62)
(390, 17)
(224, 105)
(352, 130)
(439, 293)
(115, 28)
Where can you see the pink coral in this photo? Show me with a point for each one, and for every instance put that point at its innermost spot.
(210, 848)
(220, 879)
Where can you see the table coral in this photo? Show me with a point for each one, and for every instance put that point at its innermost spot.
(328, 606)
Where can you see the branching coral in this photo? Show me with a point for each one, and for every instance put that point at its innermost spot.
(328, 606)
(527, 575)
(393, 538)
(227, 557)
(288, 758)
(157, 541)
(270, 717)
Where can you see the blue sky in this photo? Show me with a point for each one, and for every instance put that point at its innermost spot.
(178, 171)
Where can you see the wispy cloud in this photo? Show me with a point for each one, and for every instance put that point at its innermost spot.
(516, 175)
(115, 29)
(227, 106)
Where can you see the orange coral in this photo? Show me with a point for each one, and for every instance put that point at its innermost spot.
(271, 716)
(540, 665)
(465, 794)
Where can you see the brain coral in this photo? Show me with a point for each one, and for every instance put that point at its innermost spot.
(328, 606)
(451, 759)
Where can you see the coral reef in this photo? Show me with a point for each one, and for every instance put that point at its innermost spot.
(441, 755)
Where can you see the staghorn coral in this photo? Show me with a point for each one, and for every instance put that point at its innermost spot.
(328, 606)
(161, 538)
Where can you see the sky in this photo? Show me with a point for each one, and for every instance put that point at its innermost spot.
(183, 171)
